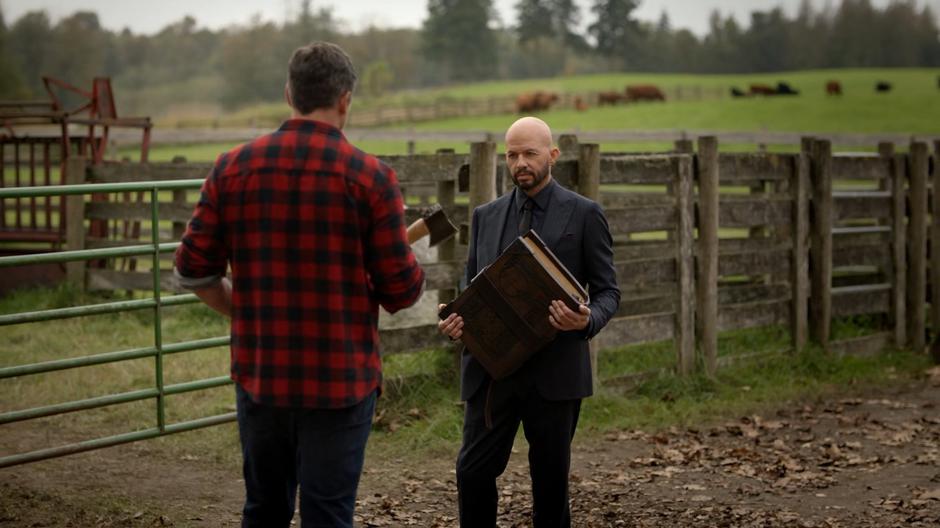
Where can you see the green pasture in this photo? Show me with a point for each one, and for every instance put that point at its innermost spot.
(912, 107)
(419, 412)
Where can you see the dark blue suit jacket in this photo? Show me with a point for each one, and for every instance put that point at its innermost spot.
(575, 229)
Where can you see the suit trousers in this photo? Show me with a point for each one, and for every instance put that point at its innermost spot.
(549, 427)
(319, 450)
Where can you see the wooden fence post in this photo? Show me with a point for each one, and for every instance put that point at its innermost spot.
(447, 250)
(75, 220)
(707, 281)
(799, 281)
(589, 171)
(482, 175)
(935, 244)
(917, 278)
(898, 243)
(685, 264)
(821, 251)
(568, 145)
(589, 185)
(684, 146)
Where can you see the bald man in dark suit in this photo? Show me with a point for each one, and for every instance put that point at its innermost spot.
(545, 394)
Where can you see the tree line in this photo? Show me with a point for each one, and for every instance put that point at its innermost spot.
(459, 41)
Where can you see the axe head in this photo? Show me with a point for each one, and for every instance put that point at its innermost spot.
(439, 226)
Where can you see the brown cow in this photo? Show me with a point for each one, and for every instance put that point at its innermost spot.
(643, 92)
(535, 101)
(762, 89)
(579, 104)
(546, 100)
(833, 88)
(609, 98)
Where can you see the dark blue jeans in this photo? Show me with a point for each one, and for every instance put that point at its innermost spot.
(319, 450)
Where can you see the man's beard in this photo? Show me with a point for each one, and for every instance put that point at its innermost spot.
(537, 178)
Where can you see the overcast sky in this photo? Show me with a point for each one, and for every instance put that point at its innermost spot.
(149, 16)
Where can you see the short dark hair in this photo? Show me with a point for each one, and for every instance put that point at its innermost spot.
(318, 75)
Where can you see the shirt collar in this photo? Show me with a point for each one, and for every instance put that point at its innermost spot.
(541, 199)
(310, 126)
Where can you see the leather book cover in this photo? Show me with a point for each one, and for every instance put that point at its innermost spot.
(505, 307)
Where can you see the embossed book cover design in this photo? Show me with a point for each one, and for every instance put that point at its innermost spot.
(505, 308)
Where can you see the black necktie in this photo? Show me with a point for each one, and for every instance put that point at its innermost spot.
(526, 221)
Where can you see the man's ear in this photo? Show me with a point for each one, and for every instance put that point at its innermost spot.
(343, 104)
(554, 153)
(287, 96)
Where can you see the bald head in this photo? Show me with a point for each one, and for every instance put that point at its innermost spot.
(532, 129)
(530, 154)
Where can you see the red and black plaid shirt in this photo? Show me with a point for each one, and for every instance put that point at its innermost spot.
(314, 231)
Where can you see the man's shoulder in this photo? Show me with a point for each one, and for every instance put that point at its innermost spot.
(564, 193)
(366, 160)
(243, 153)
(494, 205)
(366, 169)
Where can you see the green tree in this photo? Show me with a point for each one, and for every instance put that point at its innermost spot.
(77, 53)
(456, 36)
(253, 64)
(617, 34)
(376, 78)
(851, 43)
(721, 48)
(765, 44)
(29, 40)
(549, 19)
(311, 25)
(11, 80)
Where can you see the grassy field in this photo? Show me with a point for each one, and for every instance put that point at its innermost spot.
(912, 107)
(419, 412)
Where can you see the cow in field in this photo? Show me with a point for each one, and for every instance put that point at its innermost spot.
(784, 88)
(737, 92)
(535, 101)
(883, 87)
(644, 92)
(833, 88)
(609, 98)
(579, 104)
(762, 89)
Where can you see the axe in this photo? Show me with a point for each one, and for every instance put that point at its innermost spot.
(433, 222)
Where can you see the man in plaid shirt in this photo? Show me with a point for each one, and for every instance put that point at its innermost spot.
(314, 232)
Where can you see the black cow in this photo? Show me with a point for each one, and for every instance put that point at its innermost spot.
(785, 89)
(737, 92)
(883, 87)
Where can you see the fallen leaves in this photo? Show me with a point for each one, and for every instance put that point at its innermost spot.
(803, 467)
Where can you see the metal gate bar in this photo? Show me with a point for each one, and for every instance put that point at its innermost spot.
(156, 303)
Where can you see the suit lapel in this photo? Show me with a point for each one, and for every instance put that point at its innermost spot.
(561, 205)
(493, 223)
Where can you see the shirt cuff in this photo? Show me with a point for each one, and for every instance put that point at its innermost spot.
(195, 283)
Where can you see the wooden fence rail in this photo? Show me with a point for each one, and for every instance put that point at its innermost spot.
(704, 241)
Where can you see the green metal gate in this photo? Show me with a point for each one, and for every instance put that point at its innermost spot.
(158, 351)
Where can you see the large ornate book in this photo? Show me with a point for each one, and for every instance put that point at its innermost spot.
(505, 307)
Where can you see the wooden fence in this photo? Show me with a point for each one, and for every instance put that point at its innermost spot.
(704, 241)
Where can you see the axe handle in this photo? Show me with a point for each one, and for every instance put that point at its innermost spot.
(417, 230)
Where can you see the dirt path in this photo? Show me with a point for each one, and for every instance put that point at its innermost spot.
(871, 461)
